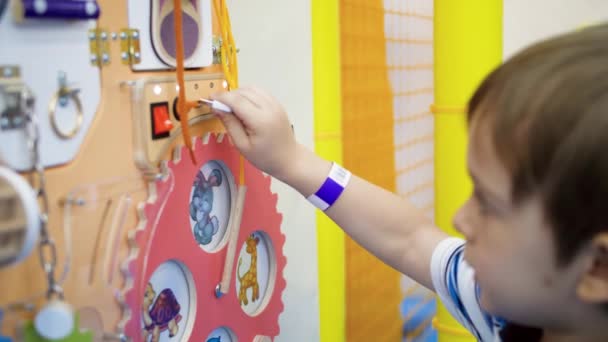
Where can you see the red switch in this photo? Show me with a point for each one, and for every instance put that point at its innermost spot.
(161, 122)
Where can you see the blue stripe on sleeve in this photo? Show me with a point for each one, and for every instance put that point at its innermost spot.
(452, 285)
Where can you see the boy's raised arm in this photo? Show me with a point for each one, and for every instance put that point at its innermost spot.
(383, 223)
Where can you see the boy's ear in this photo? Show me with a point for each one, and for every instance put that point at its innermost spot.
(593, 286)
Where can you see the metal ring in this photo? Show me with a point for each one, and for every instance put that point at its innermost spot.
(55, 291)
(79, 114)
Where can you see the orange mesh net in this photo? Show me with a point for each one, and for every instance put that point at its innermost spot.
(387, 88)
(372, 288)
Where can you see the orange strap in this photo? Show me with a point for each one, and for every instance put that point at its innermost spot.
(183, 107)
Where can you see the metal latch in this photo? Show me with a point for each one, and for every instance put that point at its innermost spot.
(14, 97)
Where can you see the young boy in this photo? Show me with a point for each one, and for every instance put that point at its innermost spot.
(536, 225)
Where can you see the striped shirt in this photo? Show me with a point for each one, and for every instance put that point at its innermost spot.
(454, 282)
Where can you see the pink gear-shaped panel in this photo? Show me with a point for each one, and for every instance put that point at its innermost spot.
(165, 234)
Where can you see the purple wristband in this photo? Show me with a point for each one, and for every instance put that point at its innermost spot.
(331, 189)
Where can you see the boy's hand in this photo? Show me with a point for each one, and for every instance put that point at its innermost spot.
(260, 129)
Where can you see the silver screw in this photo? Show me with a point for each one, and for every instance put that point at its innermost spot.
(93, 59)
(104, 36)
(114, 36)
(137, 55)
(135, 35)
(92, 36)
(62, 78)
(123, 35)
(124, 56)
(105, 57)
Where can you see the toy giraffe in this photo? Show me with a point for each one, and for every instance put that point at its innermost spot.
(250, 279)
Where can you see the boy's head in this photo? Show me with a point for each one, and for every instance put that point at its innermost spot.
(537, 224)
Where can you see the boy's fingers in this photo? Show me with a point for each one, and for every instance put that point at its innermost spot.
(241, 106)
(263, 98)
(235, 129)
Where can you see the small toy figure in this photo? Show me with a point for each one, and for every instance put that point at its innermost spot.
(160, 316)
(202, 204)
(250, 279)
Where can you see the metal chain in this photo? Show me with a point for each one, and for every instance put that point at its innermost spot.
(47, 250)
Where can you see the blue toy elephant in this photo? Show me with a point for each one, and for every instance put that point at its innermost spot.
(202, 204)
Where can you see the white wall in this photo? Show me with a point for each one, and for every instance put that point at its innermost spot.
(527, 21)
(274, 38)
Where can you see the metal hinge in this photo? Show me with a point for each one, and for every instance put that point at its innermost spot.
(129, 46)
(99, 47)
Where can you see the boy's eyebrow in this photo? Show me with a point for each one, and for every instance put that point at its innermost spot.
(481, 187)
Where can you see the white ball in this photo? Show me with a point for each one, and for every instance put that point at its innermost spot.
(55, 321)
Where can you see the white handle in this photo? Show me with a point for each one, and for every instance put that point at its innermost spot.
(220, 106)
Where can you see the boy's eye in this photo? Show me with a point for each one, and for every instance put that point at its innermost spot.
(484, 207)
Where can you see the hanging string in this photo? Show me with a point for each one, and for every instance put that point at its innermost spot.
(229, 64)
(230, 69)
(227, 48)
(229, 61)
(183, 106)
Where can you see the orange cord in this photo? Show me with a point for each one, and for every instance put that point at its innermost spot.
(227, 48)
(229, 66)
(229, 61)
(184, 107)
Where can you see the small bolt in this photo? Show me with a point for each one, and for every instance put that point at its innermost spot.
(105, 57)
(211, 84)
(104, 36)
(218, 292)
(93, 59)
(114, 36)
(92, 36)
(123, 35)
(135, 35)
(63, 101)
(17, 121)
(137, 55)
(124, 56)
